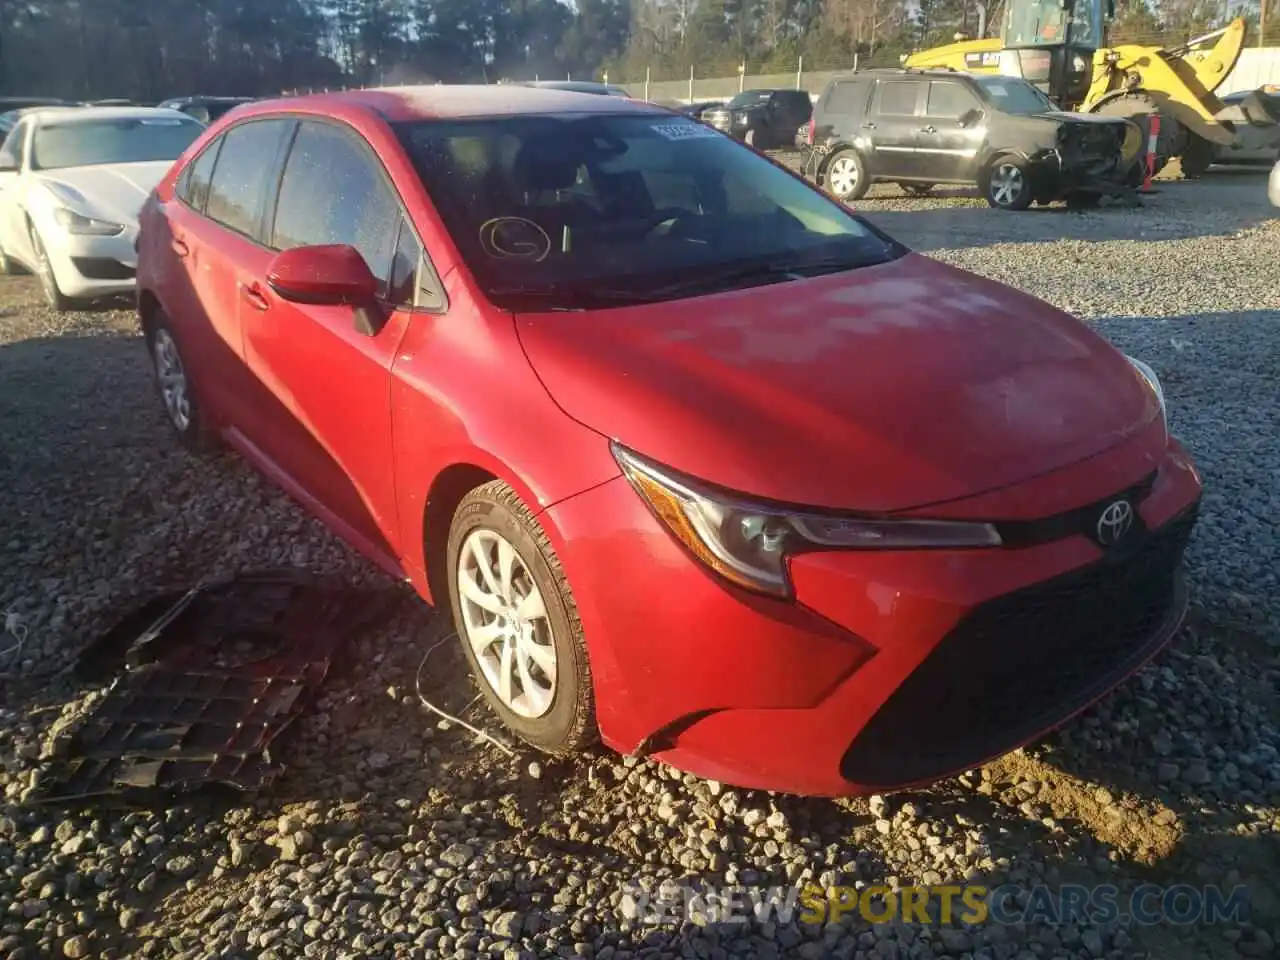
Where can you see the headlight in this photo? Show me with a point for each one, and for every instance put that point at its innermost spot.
(748, 543)
(1152, 380)
(80, 225)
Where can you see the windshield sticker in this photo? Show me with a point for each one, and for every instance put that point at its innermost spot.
(684, 131)
(514, 238)
(997, 91)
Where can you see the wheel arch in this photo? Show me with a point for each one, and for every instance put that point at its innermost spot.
(148, 309)
(446, 490)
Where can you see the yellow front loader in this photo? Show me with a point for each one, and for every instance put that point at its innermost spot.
(1059, 45)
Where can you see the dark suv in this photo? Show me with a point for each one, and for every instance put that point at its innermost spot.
(919, 128)
(763, 118)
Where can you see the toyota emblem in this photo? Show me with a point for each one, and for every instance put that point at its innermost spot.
(1114, 523)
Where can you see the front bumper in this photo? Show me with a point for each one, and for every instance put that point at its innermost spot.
(88, 267)
(892, 669)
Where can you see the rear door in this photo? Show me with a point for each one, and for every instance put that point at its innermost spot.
(216, 235)
(330, 384)
(894, 127)
(948, 150)
(843, 111)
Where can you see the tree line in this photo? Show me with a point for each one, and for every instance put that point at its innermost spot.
(152, 49)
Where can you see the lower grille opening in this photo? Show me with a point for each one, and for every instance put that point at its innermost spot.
(102, 268)
(1024, 661)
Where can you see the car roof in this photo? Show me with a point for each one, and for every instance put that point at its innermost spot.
(87, 114)
(455, 101)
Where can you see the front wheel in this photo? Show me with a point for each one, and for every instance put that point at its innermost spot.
(53, 295)
(1197, 157)
(846, 176)
(518, 623)
(1007, 184)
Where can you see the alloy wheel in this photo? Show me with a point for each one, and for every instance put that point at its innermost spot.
(506, 624)
(173, 379)
(44, 268)
(1007, 184)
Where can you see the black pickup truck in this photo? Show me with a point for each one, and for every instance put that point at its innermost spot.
(920, 128)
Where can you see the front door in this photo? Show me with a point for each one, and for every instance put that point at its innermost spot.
(947, 151)
(893, 126)
(331, 382)
(15, 240)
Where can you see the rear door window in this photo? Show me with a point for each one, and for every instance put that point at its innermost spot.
(238, 187)
(334, 192)
(897, 98)
(847, 97)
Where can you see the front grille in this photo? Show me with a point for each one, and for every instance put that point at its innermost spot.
(1025, 661)
(102, 268)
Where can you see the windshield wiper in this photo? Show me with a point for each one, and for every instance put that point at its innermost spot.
(584, 294)
(770, 271)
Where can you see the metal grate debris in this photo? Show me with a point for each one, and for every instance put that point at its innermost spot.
(212, 677)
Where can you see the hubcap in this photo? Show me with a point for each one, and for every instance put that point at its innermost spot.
(843, 176)
(1006, 184)
(173, 380)
(506, 624)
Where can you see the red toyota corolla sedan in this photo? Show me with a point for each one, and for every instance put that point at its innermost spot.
(700, 462)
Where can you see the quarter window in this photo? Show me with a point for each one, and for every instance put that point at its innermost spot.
(949, 100)
(898, 98)
(848, 96)
(193, 189)
(333, 194)
(244, 164)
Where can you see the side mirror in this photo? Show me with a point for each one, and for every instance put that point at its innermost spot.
(330, 275)
(969, 117)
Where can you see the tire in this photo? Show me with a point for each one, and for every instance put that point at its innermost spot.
(1082, 200)
(845, 176)
(1006, 184)
(58, 301)
(175, 388)
(557, 716)
(917, 189)
(1197, 156)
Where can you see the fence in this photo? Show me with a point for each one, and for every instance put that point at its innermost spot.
(1257, 66)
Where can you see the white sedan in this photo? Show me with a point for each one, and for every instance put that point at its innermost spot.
(71, 185)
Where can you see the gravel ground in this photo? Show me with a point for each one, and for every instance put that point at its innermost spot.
(392, 836)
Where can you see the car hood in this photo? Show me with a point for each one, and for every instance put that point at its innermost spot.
(110, 191)
(881, 389)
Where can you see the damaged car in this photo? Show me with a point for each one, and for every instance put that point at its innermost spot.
(700, 463)
(921, 128)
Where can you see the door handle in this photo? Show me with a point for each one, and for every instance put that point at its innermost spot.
(180, 247)
(254, 296)
(929, 129)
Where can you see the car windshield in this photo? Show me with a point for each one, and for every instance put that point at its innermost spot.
(87, 143)
(572, 212)
(749, 98)
(1010, 95)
